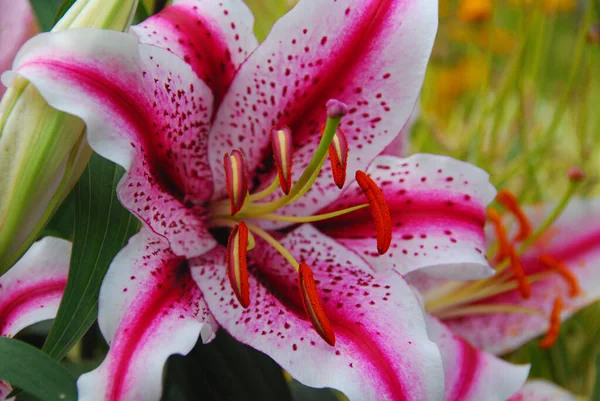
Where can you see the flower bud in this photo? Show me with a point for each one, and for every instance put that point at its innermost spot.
(43, 151)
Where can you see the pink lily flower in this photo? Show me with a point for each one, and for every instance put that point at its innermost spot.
(31, 291)
(558, 278)
(211, 129)
(541, 390)
(17, 24)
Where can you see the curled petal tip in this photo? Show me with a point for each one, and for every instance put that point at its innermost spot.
(336, 109)
(576, 174)
(312, 304)
(237, 268)
(379, 210)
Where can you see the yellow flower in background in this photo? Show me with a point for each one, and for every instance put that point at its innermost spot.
(475, 10)
(499, 40)
(452, 82)
(558, 6)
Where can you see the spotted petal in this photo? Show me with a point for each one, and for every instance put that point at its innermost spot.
(213, 37)
(541, 390)
(381, 349)
(145, 109)
(369, 54)
(438, 215)
(470, 374)
(149, 309)
(31, 291)
(574, 240)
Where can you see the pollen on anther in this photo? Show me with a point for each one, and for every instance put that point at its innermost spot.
(510, 201)
(504, 245)
(281, 140)
(379, 210)
(338, 155)
(554, 325)
(562, 269)
(236, 179)
(312, 304)
(522, 281)
(237, 268)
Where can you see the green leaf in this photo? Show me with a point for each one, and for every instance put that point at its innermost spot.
(596, 393)
(102, 228)
(62, 10)
(224, 370)
(33, 371)
(45, 11)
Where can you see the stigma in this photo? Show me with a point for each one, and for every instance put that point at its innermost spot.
(244, 205)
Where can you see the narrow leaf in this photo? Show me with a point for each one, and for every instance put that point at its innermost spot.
(102, 227)
(34, 372)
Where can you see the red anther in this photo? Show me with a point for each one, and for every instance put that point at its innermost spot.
(379, 210)
(522, 280)
(236, 179)
(237, 268)
(504, 245)
(312, 304)
(564, 271)
(509, 200)
(281, 140)
(338, 155)
(554, 325)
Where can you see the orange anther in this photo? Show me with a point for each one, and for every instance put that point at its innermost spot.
(379, 210)
(281, 140)
(554, 325)
(236, 179)
(237, 268)
(509, 200)
(564, 271)
(504, 245)
(312, 304)
(338, 155)
(522, 280)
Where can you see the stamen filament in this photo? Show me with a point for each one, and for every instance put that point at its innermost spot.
(484, 309)
(312, 219)
(275, 244)
(267, 191)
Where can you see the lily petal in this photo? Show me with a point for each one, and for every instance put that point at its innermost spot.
(381, 346)
(213, 37)
(541, 390)
(399, 146)
(31, 291)
(145, 109)
(575, 241)
(438, 216)
(369, 54)
(149, 309)
(473, 375)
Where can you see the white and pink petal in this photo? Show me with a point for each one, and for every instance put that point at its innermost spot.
(437, 206)
(32, 289)
(381, 350)
(145, 109)
(213, 37)
(149, 309)
(369, 54)
(541, 390)
(573, 240)
(471, 374)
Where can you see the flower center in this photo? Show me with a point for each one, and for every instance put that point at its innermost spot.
(456, 299)
(242, 206)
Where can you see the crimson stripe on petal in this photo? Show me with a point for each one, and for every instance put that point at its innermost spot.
(381, 349)
(214, 38)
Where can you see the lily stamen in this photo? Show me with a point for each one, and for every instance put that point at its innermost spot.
(338, 155)
(312, 304)
(511, 203)
(236, 179)
(379, 210)
(554, 326)
(281, 141)
(522, 280)
(237, 268)
(504, 245)
(314, 218)
(564, 271)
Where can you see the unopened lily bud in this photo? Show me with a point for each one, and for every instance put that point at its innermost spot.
(576, 174)
(43, 152)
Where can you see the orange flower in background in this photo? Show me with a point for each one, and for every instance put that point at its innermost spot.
(475, 10)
